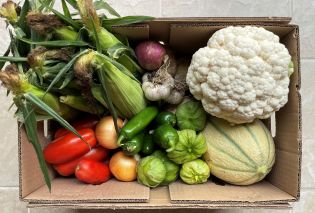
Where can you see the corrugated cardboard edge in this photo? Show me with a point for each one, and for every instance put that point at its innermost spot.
(166, 207)
(112, 201)
(284, 20)
(20, 160)
(159, 199)
(298, 87)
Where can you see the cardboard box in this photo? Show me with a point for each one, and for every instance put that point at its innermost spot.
(185, 35)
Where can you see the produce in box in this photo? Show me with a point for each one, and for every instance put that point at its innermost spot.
(242, 74)
(86, 77)
(242, 154)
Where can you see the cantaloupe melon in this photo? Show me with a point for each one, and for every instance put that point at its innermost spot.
(241, 154)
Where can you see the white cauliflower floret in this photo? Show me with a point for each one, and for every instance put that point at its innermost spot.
(242, 74)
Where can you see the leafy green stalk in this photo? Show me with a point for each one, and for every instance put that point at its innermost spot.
(55, 43)
(108, 23)
(31, 131)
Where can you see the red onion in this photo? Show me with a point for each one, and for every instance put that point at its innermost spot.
(150, 54)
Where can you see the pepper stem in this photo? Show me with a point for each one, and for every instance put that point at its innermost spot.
(120, 139)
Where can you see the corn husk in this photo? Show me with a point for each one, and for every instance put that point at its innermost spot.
(18, 84)
(125, 92)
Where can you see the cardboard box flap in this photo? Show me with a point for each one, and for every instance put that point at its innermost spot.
(30, 177)
(286, 173)
(211, 193)
(65, 190)
(188, 38)
(282, 20)
(174, 208)
(136, 32)
(159, 199)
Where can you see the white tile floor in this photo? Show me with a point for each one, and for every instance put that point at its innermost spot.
(303, 13)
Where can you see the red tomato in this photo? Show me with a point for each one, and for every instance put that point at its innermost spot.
(66, 169)
(93, 172)
(69, 147)
(85, 123)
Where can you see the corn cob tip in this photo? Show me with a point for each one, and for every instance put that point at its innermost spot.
(43, 24)
(83, 68)
(37, 56)
(10, 11)
(88, 14)
(10, 78)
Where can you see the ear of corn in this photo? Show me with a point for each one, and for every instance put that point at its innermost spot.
(9, 11)
(66, 33)
(18, 84)
(49, 71)
(125, 92)
(80, 103)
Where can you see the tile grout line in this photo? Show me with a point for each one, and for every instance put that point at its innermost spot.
(291, 7)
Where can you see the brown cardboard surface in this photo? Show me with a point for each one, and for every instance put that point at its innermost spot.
(194, 36)
(30, 176)
(160, 27)
(134, 32)
(159, 199)
(185, 35)
(211, 193)
(70, 189)
(287, 169)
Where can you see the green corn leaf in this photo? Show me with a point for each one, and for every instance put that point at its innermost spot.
(19, 32)
(68, 78)
(101, 4)
(66, 19)
(121, 67)
(118, 49)
(64, 70)
(40, 104)
(34, 37)
(12, 59)
(22, 47)
(102, 75)
(2, 63)
(15, 51)
(20, 118)
(130, 64)
(73, 3)
(65, 9)
(45, 5)
(97, 42)
(125, 20)
(31, 130)
(56, 43)
(22, 19)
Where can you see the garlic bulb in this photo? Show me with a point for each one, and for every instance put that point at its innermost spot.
(156, 87)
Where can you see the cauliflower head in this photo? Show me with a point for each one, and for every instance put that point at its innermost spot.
(242, 74)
